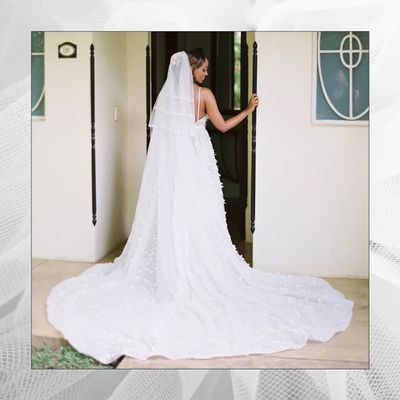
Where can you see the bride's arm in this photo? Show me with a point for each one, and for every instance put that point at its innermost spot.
(216, 117)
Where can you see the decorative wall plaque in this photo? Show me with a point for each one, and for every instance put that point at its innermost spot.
(67, 50)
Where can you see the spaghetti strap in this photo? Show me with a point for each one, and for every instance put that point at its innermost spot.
(198, 105)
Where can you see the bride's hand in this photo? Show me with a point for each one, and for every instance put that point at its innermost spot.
(253, 103)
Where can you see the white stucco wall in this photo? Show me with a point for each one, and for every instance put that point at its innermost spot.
(136, 130)
(312, 181)
(61, 157)
(111, 138)
(61, 180)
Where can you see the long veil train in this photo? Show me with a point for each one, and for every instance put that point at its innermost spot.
(180, 289)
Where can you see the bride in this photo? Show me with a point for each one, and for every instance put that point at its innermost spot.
(180, 289)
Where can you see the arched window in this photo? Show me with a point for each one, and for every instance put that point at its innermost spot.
(341, 78)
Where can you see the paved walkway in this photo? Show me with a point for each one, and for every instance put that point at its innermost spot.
(345, 350)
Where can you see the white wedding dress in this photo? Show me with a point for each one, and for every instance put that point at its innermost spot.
(180, 289)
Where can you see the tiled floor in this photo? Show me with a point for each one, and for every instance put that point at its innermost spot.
(345, 350)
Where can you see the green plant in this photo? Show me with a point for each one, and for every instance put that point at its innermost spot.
(64, 357)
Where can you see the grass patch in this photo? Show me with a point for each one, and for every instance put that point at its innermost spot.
(65, 357)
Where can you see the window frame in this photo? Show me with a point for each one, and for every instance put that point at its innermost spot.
(42, 95)
(315, 78)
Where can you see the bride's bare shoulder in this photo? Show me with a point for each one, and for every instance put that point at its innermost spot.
(207, 93)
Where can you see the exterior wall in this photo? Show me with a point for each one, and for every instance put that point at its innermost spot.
(61, 147)
(61, 176)
(312, 181)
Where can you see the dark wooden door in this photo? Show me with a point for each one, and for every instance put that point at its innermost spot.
(228, 79)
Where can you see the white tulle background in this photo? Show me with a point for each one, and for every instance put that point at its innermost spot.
(17, 19)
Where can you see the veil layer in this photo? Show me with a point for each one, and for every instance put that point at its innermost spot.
(169, 199)
(174, 107)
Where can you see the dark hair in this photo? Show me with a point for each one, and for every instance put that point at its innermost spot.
(196, 58)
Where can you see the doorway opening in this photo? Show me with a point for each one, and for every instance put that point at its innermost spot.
(228, 79)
